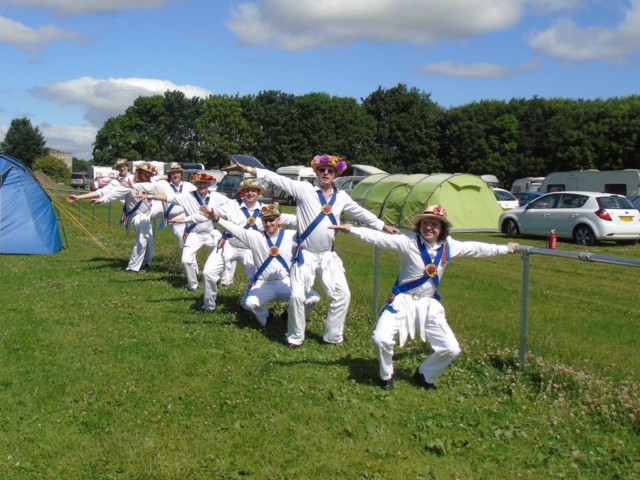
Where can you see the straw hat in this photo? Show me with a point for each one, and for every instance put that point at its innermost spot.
(329, 161)
(203, 177)
(120, 162)
(432, 211)
(175, 167)
(147, 167)
(270, 210)
(250, 184)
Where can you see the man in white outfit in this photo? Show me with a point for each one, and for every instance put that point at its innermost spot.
(135, 212)
(318, 207)
(172, 211)
(236, 251)
(414, 302)
(199, 232)
(272, 254)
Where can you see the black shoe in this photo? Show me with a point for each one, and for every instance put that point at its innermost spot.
(146, 266)
(293, 345)
(386, 384)
(131, 271)
(422, 382)
(284, 316)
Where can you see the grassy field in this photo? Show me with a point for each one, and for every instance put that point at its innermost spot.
(112, 375)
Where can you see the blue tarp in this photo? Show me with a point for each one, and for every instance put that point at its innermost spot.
(28, 223)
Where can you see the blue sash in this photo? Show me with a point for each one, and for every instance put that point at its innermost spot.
(254, 215)
(326, 210)
(274, 252)
(165, 220)
(190, 228)
(124, 220)
(430, 273)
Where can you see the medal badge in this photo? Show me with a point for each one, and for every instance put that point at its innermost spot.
(431, 270)
(274, 251)
(251, 221)
(327, 209)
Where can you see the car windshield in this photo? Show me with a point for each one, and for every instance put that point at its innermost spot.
(612, 203)
(501, 195)
(77, 175)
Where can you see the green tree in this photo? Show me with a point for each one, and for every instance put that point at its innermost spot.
(222, 130)
(407, 131)
(52, 167)
(78, 165)
(23, 141)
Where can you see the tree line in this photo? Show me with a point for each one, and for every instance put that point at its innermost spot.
(398, 129)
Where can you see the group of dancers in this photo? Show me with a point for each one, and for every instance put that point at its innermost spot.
(283, 264)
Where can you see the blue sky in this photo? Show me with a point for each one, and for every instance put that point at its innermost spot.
(68, 65)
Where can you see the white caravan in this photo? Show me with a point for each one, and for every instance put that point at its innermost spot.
(94, 172)
(621, 182)
(294, 172)
(527, 184)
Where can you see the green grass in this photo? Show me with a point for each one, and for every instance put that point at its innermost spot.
(112, 375)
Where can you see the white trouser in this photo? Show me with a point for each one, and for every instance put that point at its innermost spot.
(195, 241)
(264, 292)
(210, 277)
(178, 231)
(328, 267)
(233, 255)
(436, 331)
(143, 248)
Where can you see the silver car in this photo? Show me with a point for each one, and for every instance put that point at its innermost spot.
(585, 217)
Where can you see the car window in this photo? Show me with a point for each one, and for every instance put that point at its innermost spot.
(501, 195)
(571, 200)
(548, 201)
(612, 203)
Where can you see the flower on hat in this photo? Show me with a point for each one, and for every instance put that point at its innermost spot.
(329, 161)
(250, 183)
(203, 177)
(175, 166)
(148, 167)
(270, 210)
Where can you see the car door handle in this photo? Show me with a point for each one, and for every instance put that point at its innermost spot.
(573, 215)
(545, 215)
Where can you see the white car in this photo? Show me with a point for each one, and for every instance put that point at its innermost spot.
(505, 199)
(585, 217)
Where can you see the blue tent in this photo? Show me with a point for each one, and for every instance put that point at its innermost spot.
(28, 223)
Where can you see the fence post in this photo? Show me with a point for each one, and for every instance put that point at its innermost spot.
(524, 307)
(376, 274)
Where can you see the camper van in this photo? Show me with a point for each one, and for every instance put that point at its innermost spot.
(526, 184)
(95, 172)
(294, 172)
(620, 182)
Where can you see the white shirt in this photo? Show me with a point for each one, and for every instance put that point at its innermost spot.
(257, 243)
(162, 186)
(309, 207)
(128, 195)
(412, 266)
(221, 204)
(286, 219)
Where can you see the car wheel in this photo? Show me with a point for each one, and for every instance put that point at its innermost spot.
(583, 235)
(510, 228)
(290, 201)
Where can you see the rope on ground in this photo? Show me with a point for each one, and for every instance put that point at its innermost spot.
(82, 228)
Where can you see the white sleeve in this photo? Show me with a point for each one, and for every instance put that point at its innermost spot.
(389, 241)
(361, 214)
(475, 249)
(297, 188)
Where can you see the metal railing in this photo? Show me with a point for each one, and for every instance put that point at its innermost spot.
(526, 252)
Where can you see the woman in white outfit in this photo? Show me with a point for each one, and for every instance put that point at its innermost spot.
(414, 303)
(173, 211)
(272, 253)
(318, 207)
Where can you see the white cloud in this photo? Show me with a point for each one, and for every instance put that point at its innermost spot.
(30, 39)
(297, 25)
(68, 138)
(468, 70)
(568, 41)
(102, 99)
(550, 6)
(77, 7)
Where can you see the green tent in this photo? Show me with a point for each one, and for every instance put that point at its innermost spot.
(469, 202)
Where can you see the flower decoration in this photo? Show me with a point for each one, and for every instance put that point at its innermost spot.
(250, 183)
(270, 210)
(274, 251)
(329, 161)
(431, 270)
(203, 177)
(327, 209)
